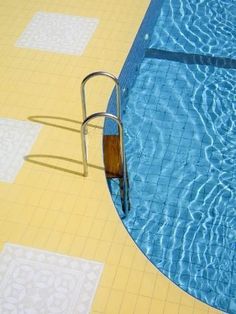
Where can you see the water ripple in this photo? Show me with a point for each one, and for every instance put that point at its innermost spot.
(203, 26)
(180, 139)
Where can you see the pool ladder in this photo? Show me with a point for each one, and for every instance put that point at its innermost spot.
(113, 145)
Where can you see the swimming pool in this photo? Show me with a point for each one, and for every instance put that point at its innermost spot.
(180, 139)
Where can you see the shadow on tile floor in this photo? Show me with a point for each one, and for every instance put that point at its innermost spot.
(53, 162)
(52, 121)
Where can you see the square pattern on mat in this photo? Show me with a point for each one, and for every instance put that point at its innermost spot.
(16, 140)
(58, 33)
(38, 282)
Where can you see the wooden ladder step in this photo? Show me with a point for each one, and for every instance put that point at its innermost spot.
(112, 156)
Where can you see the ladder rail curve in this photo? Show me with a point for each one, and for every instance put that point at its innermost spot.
(122, 152)
(83, 94)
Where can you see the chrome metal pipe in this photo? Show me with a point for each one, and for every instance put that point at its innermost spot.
(83, 94)
(83, 137)
(122, 152)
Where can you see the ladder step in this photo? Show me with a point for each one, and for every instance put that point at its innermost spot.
(112, 156)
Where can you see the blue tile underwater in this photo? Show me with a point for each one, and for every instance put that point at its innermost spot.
(190, 58)
(180, 147)
(181, 191)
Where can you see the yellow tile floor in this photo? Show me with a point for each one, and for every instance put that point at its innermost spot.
(51, 205)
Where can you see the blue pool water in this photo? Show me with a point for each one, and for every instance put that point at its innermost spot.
(180, 139)
(200, 26)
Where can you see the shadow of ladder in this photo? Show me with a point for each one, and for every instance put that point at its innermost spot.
(113, 145)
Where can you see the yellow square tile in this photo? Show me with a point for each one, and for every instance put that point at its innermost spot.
(150, 268)
(114, 254)
(49, 219)
(65, 244)
(120, 235)
(134, 282)
(61, 221)
(73, 224)
(187, 300)
(101, 299)
(143, 305)
(108, 231)
(161, 288)
(201, 311)
(14, 213)
(127, 256)
(4, 210)
(84, 227)
(20, 194)
(185, 309)
(102, 212)
(171, 308)
(77, 246)
(97, 229)
(57, 201)
(41, 238)
(174, 294)
(53, 241)
(139, 261)
(213, 311)
(121, 278)
(7, 229)
(157, 307)
(28, 236)
(90, 247)
(108, 276)
(200, 307)
(16, 236)
(80, 205)
(128, 303)
(102, 250)
(114, 302)
(147, 284)
(38, 217)
(92, 208)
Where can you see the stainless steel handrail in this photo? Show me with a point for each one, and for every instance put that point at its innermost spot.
(121, 135)
(118, 92)
(83, 137)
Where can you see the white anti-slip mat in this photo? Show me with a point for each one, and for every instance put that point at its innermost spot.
(16, 140)
(34, 281)
(59, 33)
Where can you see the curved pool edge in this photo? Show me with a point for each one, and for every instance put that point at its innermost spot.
(126, 78)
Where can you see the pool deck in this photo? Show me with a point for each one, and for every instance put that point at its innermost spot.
(50, 205)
